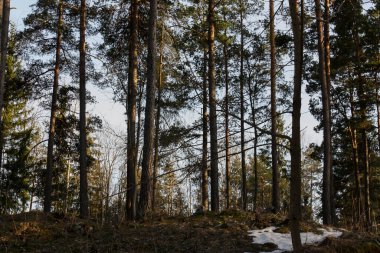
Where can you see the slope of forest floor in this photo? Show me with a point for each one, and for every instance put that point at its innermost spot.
(225, 232)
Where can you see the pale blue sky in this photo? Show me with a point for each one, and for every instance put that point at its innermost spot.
(114, 113)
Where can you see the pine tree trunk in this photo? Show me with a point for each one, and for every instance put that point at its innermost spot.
(252, 99)
(295, 147)
(355, 161)
(328, 83)
(367, 201)
(227, 131)
(83, 195)
(326, 204)
(3, 62)
(158, 115)
(53, 111)
(149, 112)
(275, 174)
(132, 95)
(242, 131)
(212, 103)
(204, 172)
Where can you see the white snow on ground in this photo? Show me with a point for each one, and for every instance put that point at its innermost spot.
(284, 241)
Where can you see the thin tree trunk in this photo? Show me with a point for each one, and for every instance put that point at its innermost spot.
(50, 151)
(252, 99)
(149, 112)
(326, 204)
(227, 131)
(132, 94)
(66, 200)
(242, 131)
(295, 148)
(3, 62)
(212, 102)
(367, 201)
(158, 115)
(204, 172)
(355, 161)
(82, 114)
(275, 174)
(328, 83)
(139, 126)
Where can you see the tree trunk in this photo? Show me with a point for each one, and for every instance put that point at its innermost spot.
(242, 131)
(328, 83)
(149, 112)
(367, 201)
(204, 172)
(252, 100)
(355, 161)
(326, 204)
(132, 95)
(227, 131)
(3, 63)
(158, 115)
(275, 174)
(82, 114)
(212, 102)
(50, 151)
(295, 147)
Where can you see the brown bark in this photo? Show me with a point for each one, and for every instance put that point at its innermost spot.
(242, 131)
(158, 115)
(204, 172)
(327, 166)
(227, 131)
(149, 112)
(212, 103)
(83, 195)
(355, 161)
(3, 62)
(131, 112)
(295, 146)
(53, 111)
(252, 98)
(275, 173)
(328, 83)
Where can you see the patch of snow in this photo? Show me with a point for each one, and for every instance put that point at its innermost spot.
(284, 241)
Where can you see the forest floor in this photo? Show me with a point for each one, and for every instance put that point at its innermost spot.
(225, 232)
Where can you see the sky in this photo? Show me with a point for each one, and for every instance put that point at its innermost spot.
(114, 113)
(109, 111)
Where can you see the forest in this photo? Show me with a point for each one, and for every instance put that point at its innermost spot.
(236, 115)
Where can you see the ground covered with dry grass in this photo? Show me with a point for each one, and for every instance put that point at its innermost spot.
(225, 232)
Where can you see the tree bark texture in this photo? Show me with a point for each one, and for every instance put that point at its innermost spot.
(3, 63)
(83, 195)
(295, 147)
(131, 112)
(212, 103)
(327, 166)
(242, 131)
(204, 172)
(158, 115)
(328, 83)
(149, 112)
(227, 131)
(275, 174)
